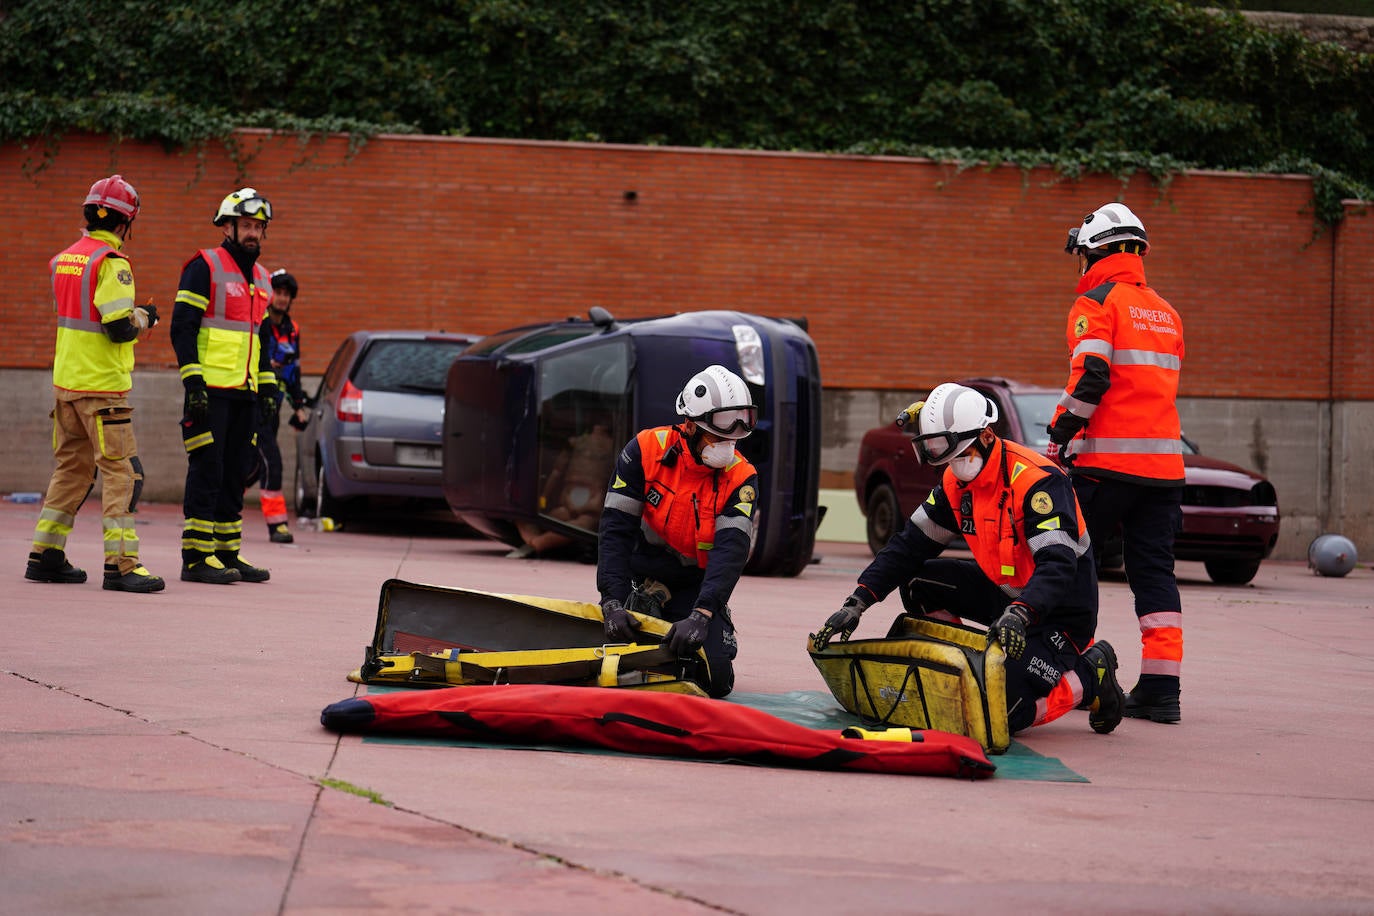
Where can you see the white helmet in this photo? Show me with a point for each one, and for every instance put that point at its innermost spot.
(1108, 223)
(720, 402)
(243, 202)
(948, 422)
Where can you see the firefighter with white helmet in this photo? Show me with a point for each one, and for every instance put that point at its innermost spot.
(229, 384)
(1117, 427)
(98, 324)
(679, 522)
(1031, 580)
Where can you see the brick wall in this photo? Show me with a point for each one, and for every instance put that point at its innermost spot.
(910, 272)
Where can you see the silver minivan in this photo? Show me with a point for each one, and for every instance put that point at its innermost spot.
(376, 423)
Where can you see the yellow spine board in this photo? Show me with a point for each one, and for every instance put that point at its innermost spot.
(926, 675)
(602, 666)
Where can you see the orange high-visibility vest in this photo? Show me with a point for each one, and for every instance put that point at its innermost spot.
(1134, 432)
(86, 359)
(996, 511)
(683, 497)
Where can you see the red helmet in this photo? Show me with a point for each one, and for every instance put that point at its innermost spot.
(115, 194)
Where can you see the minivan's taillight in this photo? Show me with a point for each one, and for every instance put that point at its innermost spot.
(350, 409)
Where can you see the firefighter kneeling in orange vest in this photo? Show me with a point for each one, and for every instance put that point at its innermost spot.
(1031, 581)
(679, 522)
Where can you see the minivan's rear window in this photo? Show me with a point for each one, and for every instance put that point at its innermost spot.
(407, 365)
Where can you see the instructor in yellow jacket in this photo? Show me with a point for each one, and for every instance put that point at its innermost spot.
(97, 327)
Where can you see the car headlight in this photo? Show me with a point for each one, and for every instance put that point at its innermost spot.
(749, 349)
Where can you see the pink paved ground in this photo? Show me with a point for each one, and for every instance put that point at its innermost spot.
(163, 753)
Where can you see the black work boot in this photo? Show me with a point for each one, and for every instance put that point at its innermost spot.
(209, 570)
(1105, 712)
(1154, 704)
(247, 571)
(51, 566)
(137, 580)
(280, 534)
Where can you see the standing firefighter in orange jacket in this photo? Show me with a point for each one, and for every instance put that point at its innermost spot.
(228, 384)
(1031, 580)
(679, 522)
(1117, 427)
(97, 327)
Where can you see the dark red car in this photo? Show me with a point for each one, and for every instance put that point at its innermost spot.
(1230, 515)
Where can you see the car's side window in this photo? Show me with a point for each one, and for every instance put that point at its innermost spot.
(583, 420)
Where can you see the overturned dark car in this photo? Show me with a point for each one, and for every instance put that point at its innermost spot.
(535, 415)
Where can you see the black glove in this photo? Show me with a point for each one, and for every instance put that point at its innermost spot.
(195, 405)
(152, 314)
(1010, 629)
(296, 422)
(620, 626)
(841, 623)
(687, 635)
(1065, 428)
(267, 406)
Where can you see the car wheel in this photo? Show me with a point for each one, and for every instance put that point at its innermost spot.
(305, 500)
(1232, 572)
(330, 507)
(884, 516)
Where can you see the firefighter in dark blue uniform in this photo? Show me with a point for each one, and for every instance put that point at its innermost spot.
(1031, 581)
(280, 337)
(679, 522)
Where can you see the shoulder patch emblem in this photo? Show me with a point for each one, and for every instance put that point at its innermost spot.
(747, 494)
(1080, 327)
(124, 277)
(1042, 503)
(618, 483)
(746, 509)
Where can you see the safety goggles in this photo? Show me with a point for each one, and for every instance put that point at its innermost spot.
(938, 448)
(256, 207)
(730, 422)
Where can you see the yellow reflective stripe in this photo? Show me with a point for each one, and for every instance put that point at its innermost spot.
(51, 527)
(120, 541)
(192, 299)
(1008, 570)
(199, 441)
(196, 535)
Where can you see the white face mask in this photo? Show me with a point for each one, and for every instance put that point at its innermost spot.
(718, 454)
(966, 466)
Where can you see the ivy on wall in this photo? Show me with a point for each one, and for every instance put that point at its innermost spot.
(1079, 85)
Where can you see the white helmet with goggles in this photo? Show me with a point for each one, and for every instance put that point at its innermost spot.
(243, 202)
(1107, 224)
(948, 422)
(718, 401)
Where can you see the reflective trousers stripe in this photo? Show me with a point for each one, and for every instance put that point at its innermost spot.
(52, 530)
(1161, 643)
(121, 540)
(273, 506)
(1065, 695)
